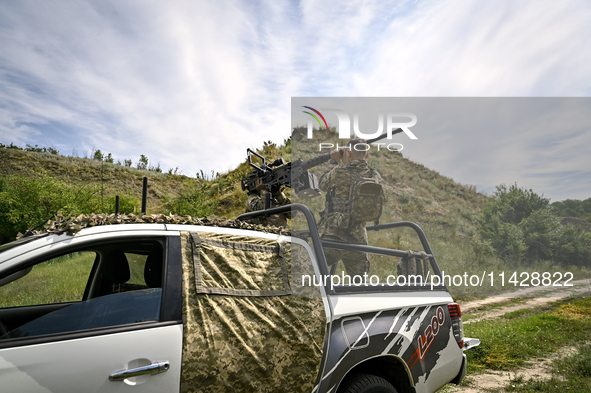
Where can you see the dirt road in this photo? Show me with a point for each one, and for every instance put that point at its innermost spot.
(541, 296)
(494, 307)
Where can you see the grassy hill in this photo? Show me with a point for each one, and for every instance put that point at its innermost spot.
(445, 209)
(115, 179)
(414, 191)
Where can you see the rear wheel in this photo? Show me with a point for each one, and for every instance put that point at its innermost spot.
(367, 383)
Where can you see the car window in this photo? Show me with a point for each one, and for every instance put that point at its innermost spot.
(111, 310)
(137, 264)
(57, 280)
(102, 285)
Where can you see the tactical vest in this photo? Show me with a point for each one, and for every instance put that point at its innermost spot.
(361, 204)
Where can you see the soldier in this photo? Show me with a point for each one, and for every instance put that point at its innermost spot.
(256, 201)
(338, 221)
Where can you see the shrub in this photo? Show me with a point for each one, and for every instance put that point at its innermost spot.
(520, 224)
(404, 197)
(11, 146)
(25, 201)
(193, 201)
(573, 246)
(127, 204)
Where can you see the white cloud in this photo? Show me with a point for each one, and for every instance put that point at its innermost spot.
(193, 84)
(500, 48)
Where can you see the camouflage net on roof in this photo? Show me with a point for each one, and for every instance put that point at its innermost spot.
(70, 225)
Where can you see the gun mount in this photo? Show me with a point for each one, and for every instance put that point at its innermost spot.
(293, 174)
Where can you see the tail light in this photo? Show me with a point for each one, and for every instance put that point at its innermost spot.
(457, 325)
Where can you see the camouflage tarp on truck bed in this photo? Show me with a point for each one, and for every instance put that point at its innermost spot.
(243, 330)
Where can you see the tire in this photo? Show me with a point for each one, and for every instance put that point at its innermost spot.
(366, 383)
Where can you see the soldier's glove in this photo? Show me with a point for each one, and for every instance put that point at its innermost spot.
(259, 185)
(276, 190)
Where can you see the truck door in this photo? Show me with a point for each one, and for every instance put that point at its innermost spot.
(100, 315)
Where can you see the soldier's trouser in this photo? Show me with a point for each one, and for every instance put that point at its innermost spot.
(356, 263)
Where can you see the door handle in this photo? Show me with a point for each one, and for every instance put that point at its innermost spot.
(154, 368)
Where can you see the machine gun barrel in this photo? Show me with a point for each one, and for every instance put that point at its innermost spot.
(311, 163)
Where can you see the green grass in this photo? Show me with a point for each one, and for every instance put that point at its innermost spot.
(58, 280)
(570, 374)
(509, 342)
(577, 364)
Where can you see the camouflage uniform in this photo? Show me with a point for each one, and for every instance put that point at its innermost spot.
(335, 225)
(256, 201)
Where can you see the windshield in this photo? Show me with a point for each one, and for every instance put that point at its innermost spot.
(22, 240)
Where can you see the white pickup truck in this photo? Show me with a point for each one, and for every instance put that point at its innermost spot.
(166, 307)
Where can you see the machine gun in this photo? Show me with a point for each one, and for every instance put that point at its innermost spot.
(293, 174)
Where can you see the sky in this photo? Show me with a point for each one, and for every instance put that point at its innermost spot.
(193, 84)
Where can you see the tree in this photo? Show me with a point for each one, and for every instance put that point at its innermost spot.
(143, 162)
(521, 225)
(53, 150)
(98, 155)
(573, 208)
(573, 246)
